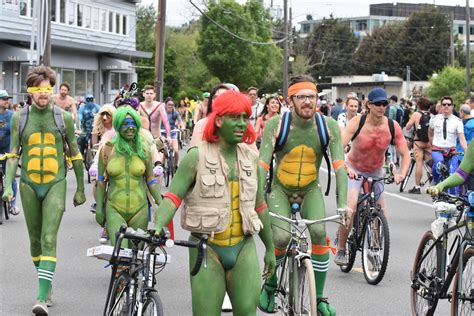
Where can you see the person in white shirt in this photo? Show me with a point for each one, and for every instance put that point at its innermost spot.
(352, 107)
(444, 130)
(257, 106)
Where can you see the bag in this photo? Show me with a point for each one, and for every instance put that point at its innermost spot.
(399, 115)
(323, 133)
(422, 128)
(391, 127)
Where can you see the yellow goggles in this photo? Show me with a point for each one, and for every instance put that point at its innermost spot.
(47, 89)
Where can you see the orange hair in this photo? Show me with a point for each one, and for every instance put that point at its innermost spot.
(230, 102)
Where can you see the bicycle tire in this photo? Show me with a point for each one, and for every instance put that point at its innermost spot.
(461, 303)
(153, 305)
(305, 293)
(3, 209)
(282, 290)
(404, 183)
(120, 299)
(351, 242)
(429, 270)
(6, 209)
(170, 170)
(376, 225)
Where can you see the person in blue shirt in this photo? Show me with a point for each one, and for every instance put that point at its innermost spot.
(85, 117)
(468, 121)
(176, 122)
(5, 119)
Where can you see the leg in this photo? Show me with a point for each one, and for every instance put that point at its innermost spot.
(140, 219)
(174, 143)
(113, 221)
(437, 157)
(34, 219)
(208, 286)
(352, 198)
(243, 280)
(419, 156)
(313, 208)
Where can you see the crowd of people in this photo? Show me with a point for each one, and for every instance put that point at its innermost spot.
(237, 140)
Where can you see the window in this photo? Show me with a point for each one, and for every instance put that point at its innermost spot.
(103, 20)
(117, 23)
(123, 79)
(471, 30)
(95, 18)
(124, 25)
(80, 15)
(111, 22)
(90, 83)
(361, 25)
(53, 11)
(114, 81)
(305, 28)
(80, 82)
(376, 23)
(87, 16)
(460, 30)
(26, 9)
(72, 13)
(62, 11)
(68, 76)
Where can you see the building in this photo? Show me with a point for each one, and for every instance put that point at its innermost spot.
(93, 45)
(383, 13)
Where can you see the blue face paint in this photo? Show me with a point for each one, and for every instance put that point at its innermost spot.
(128, 123)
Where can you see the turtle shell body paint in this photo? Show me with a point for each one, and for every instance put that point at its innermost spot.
(297, 168)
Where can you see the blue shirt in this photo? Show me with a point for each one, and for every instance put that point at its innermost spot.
(468, 133)
(86, 116)
(173, 117)
(5, 119)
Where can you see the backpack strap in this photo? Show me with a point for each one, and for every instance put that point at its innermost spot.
(23, 119)
(284, 131)
(59, 120)
(324, 141)
(361, 124)
(391, 127)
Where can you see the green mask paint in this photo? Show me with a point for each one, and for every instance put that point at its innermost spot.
(234, 127)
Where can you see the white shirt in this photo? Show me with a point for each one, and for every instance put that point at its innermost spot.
(342, 119)
(472, 112)
(454, 127)
(256, 111)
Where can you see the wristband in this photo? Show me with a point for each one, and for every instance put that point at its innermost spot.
(152, 181)
(174, 198)
(264, 165)
(100, 178)
(261, 207)
(463, 174)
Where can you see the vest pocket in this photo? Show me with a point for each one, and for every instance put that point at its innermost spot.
(212, 186)
(205, 219)
(248, 189)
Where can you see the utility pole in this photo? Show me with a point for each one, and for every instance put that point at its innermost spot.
(468, 50)
(47, 51)
(408, 81)
(451, 37)
(285, 49)
(160, 49)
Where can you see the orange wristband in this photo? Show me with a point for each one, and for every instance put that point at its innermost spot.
(261, 207)
(264, 165)
(174, 198)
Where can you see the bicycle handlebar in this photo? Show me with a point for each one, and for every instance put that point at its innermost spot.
(386, 180)
(339, 218)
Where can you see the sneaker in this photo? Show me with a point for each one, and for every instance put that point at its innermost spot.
(341, 258)
(92, 209)
(40, 308)
(14, 210)
(104, 236)
(415, 190)
(324, 308)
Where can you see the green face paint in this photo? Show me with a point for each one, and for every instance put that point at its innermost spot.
(234, 127)
(128, 129)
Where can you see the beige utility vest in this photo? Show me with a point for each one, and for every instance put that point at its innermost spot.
(207, 207)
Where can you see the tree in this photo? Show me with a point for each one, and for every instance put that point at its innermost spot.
(239, 57)
(450, 81)
(329, 48)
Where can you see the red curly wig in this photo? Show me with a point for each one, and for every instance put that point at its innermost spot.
(230, 102)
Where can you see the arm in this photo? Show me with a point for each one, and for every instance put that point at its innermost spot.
(414, 118)
(79, 197)
(337, 158)
(402, 148)
(164, 120)
(266, 151)
(151, 182)
(74, 110)
(350, 130)
(100, 190)
(181, 183)
(12, 162)
(180, 121)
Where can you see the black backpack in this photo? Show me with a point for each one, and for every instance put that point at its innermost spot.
(421, 131)
(399, 116)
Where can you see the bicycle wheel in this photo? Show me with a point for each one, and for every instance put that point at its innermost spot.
(424, 275)
(153, 305)
(305, 293)
(283, 287)
(120, 299)
(6, 209)
(375, 248)
(3, 210)
(351, 243)
(462, 302)
(89, 158)
(404, 183)
(170, 168)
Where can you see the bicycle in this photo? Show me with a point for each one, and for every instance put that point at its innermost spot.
(296, 288)
(132, 289)
(433, 271)
(4, 205)
(168, 163)
(369, 234)
(411, 167)
(445, 168)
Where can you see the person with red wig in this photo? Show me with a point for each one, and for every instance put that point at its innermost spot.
(218, 182)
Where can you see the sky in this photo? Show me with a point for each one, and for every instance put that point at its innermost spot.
(181, 11)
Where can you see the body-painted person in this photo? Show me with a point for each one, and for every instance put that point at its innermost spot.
(218, 182)
(125, 165)
(43, 174)
(296, 175)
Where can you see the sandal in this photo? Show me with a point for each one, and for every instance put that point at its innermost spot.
(324, 308)
(266, 302)
(14, 210)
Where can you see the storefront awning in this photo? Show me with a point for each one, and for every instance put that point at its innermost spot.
(15, 53)
(108, 63)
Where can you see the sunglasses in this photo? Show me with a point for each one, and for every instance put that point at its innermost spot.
(380, 103)
(89, 99)
(4, 99)
(446, 104)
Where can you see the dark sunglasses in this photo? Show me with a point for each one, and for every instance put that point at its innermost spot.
(4, 99)
(105, 114)
(89, 99)
(446, 104)
(380, 103)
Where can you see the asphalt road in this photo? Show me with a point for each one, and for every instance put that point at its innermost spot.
(80, 282)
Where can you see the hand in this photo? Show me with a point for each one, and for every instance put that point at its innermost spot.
(398, 178)
(169, 140)
(434, 191)
(270, 264)
(79, 198)
(99, 215)
(351, 173)
(8, 194)
(158, 171)
(93, 170)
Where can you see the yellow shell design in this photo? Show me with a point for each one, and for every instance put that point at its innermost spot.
(43, 165)
(297, 169)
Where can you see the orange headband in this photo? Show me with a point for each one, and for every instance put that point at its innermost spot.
(300, 86)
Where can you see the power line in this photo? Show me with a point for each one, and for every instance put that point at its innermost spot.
(233, 34)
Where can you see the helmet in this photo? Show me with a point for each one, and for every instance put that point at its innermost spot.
(89, 98)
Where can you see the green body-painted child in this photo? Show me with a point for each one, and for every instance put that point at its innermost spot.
(43, 176)
(218, 182)
(296, 175)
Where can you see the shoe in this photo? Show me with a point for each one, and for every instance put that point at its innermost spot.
(92, 209)
(266, 302)
(14, 210)
(415, 190)
(40, 308)
(49, 300)
(341, 258)
(104, 236)
(324, 308)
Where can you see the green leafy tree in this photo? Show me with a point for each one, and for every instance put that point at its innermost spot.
(450, 81)
(329, 49)
(229, 57)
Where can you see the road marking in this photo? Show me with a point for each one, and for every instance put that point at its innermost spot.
(395, 195)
